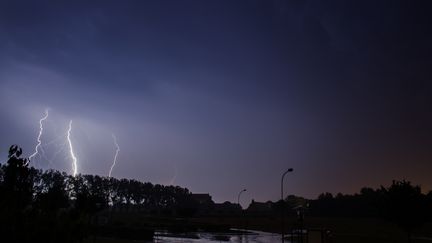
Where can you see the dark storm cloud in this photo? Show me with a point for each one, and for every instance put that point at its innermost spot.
(229, 92)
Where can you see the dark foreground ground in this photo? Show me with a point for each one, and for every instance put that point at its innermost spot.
(343, 230)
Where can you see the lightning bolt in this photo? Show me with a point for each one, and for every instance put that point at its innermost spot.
(74, 159)
(40, 135)
(116, 154)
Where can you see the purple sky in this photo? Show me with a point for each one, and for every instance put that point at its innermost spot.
(218, 96)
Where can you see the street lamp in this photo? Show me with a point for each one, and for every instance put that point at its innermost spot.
(289, 170)
(238, 198)
(283, 205)
(238, 202)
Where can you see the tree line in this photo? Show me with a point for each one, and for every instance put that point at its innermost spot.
(52, 206)
(401, 203)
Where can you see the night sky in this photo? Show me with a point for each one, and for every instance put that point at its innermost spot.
(218, 96)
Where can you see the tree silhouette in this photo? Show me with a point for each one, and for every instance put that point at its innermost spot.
(17, 190)
(52, 206)
(17, 183)
(405, 205)
(54, 195)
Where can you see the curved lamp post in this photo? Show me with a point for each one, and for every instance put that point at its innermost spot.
(241, 209)
(289, 170)
(238, 198)
(283, 205)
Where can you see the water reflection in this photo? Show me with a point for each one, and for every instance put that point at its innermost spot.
(203, 237)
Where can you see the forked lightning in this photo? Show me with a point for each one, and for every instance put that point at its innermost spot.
(116, 154)
(74, 159)
(40, 135)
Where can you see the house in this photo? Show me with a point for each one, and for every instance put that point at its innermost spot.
(226, 208)
(204, 203)
(202, 198)
(259, 208)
